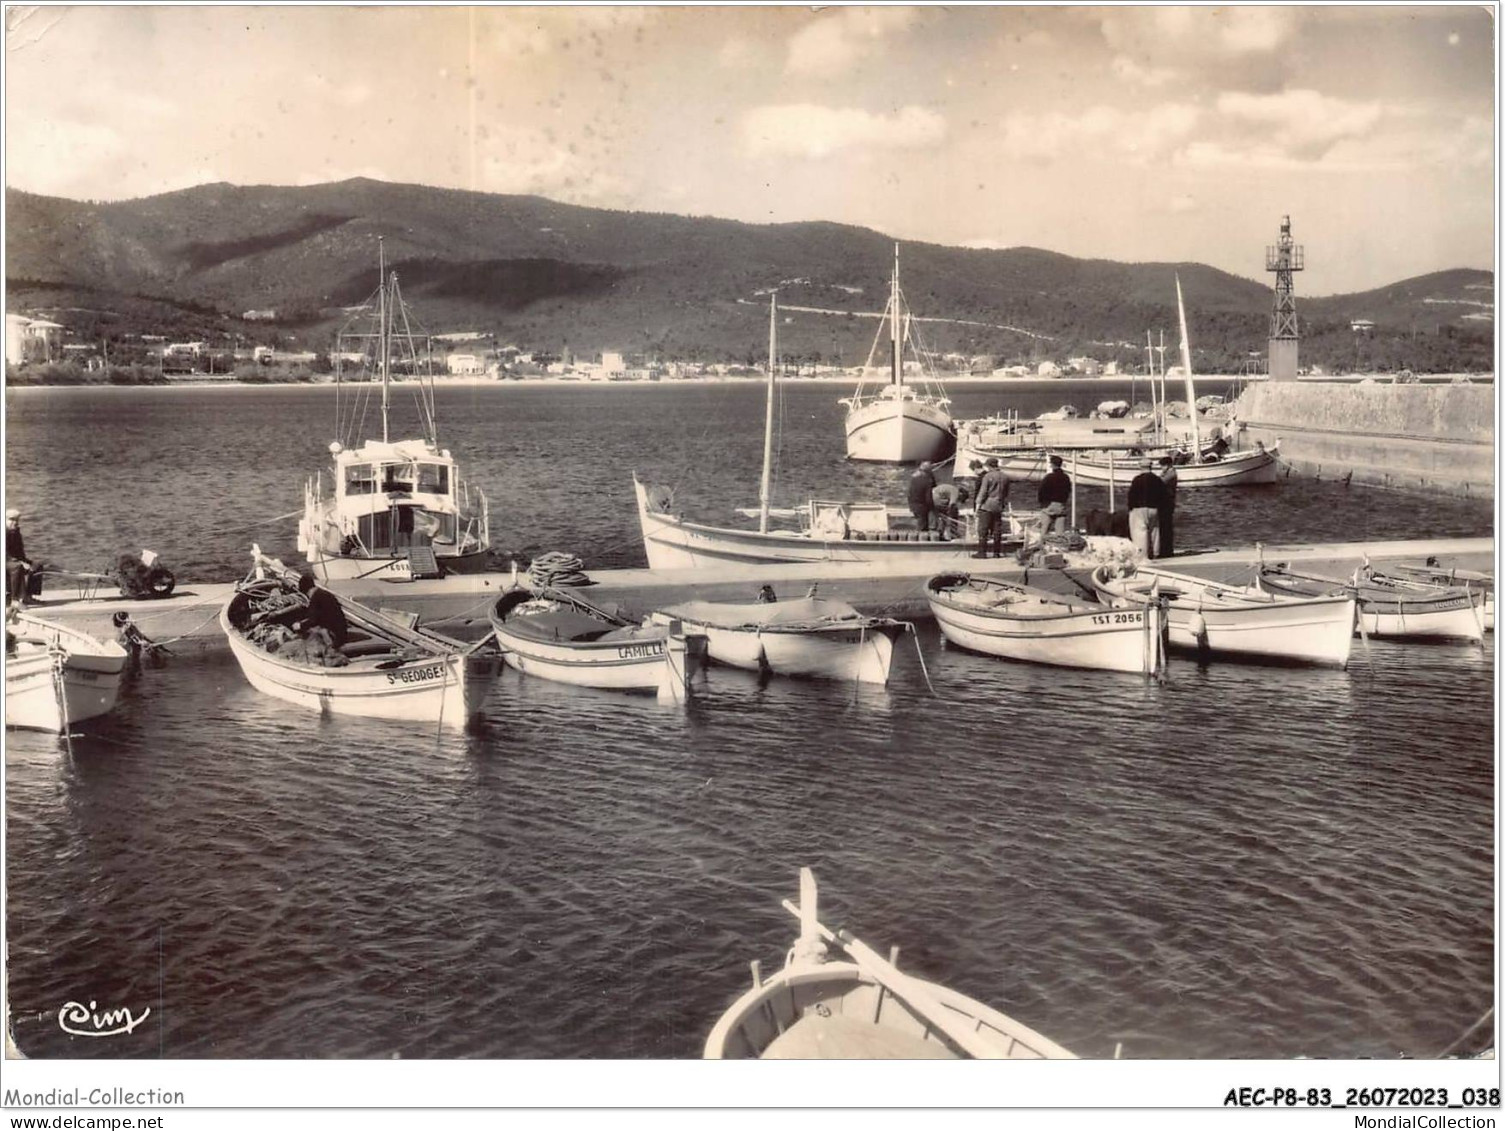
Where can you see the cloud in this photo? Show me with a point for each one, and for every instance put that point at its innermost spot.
(1141, 136)
(806, 130)
(1198, 33)
(1303, 123)
(1183, 202)
(1128, 70)
(837, 41)
(521, 160)
(737, 53)
(58, 157)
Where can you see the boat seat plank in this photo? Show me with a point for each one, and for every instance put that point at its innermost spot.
(557, 625)
(840, 1037)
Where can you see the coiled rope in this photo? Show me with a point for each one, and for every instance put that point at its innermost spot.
(556, 568)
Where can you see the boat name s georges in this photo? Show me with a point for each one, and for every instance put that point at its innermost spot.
(416, 675)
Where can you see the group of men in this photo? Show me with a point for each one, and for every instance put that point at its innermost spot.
(1152, 504)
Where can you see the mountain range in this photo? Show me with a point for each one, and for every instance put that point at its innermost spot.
(543, 275)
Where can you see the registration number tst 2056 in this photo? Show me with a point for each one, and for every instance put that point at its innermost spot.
(1118, 618)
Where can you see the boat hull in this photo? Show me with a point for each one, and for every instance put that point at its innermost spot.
(60, 677)
(1106, 639)
(1236, 469)
(338, 567)
(448, 690)
(672, 543)
(813, 637)
(1316, 630)
(659, 658)
(898, 430)
(1385, 612)
(834, 1011)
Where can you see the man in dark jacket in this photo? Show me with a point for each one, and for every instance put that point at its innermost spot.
(1055, 496)
(1167, 508)
(324, 615)
(1146, 496)
(921, 494)
(992, 493)
(17, 564)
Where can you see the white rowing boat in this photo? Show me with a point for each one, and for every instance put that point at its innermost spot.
(1431, 574)
(556, 635)
(395, 672)
(1391, 607)
(1020, 622)
(837, 999)
(1236, 620)
(57, 676)
(814, 636)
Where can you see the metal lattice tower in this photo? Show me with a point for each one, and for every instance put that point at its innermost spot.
(1285, 259)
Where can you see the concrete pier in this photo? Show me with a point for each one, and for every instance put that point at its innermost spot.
(1437, 438)
(457, 605)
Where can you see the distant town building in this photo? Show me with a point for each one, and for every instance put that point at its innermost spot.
(1047, 369)
(32, 339)
(465, 365)
(259, 315)
(1362, 326)
(1088, 366)
(613, 363)
(460, 336)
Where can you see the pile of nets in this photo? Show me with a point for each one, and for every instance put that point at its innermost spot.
(142, 575)
(556, 568)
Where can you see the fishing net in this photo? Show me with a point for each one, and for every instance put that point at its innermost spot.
(141, 575)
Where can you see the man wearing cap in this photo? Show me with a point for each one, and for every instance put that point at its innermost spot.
(921, 495)
(324, 617)
(1146, 494)
(1055, 496)
(991, 494)
(17, 564)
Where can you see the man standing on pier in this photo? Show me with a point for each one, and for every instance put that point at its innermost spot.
(921, 495)
(1146, 496)
(1055, 496)
(991, 494)
(1167, 508)
(17, 564)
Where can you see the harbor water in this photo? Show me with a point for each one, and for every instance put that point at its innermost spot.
(1246, 861)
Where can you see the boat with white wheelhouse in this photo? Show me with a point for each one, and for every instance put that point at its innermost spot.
(899, 422)
(387, 498)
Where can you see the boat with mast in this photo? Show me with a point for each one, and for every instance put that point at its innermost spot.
(827, 530)
(899, 423)
(390, 502)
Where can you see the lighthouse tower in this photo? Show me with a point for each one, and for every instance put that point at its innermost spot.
(1285, 259)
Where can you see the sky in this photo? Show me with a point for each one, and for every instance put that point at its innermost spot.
(1125, 133)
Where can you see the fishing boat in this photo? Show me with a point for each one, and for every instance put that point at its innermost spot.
(56, 676)
(838, 999)
(557, 635)
(1390, 607)
(389, 502)
(1216, 468)
(1215, 617)
(1021, 622)
(825, 530)
(813, 636)
(1433, 574)
(392, 671)
(899, 423)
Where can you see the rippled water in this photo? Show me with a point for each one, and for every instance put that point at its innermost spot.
(1249, 861)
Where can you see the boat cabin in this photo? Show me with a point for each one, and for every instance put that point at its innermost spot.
(392, 496)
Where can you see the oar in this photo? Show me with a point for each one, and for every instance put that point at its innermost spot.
(909, 989)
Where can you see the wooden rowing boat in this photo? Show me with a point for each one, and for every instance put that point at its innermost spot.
(837, 999)
(394, 672)
(814, 636)
(1020, 622)
(56, 676)
(1391, 607)
(1430, 574)
(557, 635)
(1214, 617)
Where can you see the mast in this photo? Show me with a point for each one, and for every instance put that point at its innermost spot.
(381, 333)
(896, 343)
(763, 491)
(1191, 390)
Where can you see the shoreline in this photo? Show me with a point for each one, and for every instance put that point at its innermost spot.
(822, 379)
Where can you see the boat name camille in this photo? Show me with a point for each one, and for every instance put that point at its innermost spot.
(416, 675)
(634, 651)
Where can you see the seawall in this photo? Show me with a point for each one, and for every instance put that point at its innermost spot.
(1437, 438)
